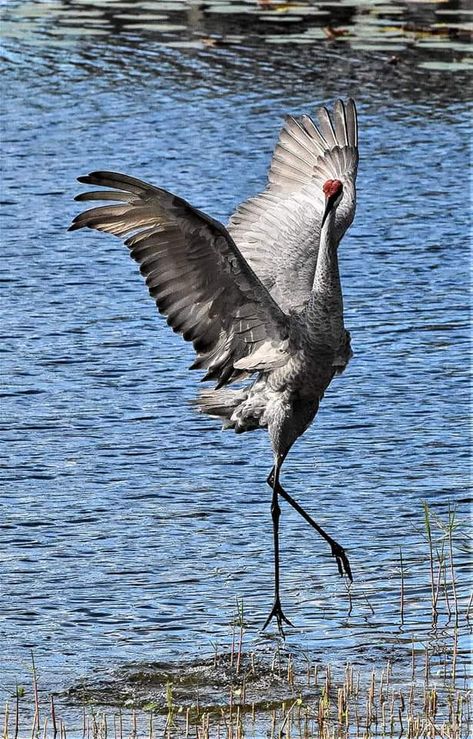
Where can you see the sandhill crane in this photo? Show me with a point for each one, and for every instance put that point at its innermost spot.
(260, 299)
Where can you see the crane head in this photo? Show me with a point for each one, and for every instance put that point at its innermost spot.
(333, 191)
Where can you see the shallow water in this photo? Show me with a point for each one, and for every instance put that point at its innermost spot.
(129, 524)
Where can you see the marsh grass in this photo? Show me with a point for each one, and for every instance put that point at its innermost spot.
(320, 704)
(282, 697)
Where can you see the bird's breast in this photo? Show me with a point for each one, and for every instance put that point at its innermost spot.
(306, 375)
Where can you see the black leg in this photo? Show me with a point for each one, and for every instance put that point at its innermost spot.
(337, 551)
(276, 611)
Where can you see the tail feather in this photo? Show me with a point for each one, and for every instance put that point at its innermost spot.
(220, 403)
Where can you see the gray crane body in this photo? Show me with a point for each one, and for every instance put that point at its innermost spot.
(260, 299)
(286, 399)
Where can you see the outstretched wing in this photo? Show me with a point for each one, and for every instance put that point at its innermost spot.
(195, 273)
(278, 231)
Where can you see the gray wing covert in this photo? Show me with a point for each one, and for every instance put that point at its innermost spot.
(278, 231)
(195, 273)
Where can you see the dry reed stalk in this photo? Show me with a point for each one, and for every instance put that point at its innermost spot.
(342, 706)
(401, 597)
(187, 723)
(348, 679)
(389, 668)
(232, 650)
(431, 563)
(446, 594)
(469, 609)
(459, 713)
(215, 646)
(383, 718)
(401, 709)
(240, 635)
(381, 687)
(328, 682)
(290, 671)
(391, 713)
(308, 673)
(427, 666)
(413, 662)
(230, 707)
(35, 693)
(357, 720)
(441, 563)
(411, 699)
(33, 728)
(240, 650)
(53, 716)
(451, 526)
(305, 730)
(17, 713)
(6, 720)
(238, 722)
(454, 657)
(368, 713)
(224, 719)
(287, 715)
(277, 658)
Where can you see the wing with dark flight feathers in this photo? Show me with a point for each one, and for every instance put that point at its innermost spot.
(195, 273)
(278, 231)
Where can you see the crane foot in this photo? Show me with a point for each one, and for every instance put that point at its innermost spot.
(277, 613)
(342, 560)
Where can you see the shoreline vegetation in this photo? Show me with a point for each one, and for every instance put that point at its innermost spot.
(422, 690)
(320, 702)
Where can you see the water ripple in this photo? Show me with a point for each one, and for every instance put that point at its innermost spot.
(129, 524)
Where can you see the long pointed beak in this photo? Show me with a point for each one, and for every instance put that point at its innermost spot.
(328, 208)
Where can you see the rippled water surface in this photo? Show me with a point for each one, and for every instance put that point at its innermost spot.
(129, 524)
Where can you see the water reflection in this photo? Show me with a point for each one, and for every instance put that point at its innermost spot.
(436, 36)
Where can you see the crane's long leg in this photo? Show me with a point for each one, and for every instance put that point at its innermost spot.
(337, 550)
(276, 611)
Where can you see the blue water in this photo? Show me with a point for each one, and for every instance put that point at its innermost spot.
(129, 525)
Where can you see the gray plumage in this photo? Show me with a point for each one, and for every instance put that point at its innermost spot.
(278, 231)
(260, 299)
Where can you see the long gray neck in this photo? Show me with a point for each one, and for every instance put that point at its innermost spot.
(325, 307)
